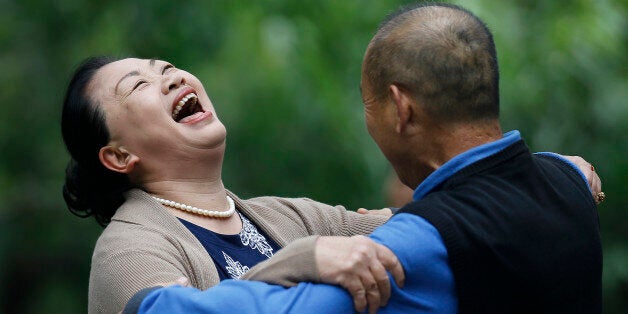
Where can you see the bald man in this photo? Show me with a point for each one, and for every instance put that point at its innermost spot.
(492, 228)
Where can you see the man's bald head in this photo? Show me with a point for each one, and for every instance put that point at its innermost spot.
(440, 53)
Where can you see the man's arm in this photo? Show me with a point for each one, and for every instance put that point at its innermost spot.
(362, 269)
(430, 286)
(357, 264)
(232, 296)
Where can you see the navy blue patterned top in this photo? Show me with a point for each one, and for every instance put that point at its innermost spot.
(235, 254)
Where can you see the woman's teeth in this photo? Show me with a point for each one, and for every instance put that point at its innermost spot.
(183, 102)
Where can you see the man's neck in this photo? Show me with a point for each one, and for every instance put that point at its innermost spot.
(461, 138)
(440, 146)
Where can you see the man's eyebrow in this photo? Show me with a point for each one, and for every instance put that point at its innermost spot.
(134, 73)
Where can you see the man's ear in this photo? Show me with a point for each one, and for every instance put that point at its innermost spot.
(403, 103)
(117, 159)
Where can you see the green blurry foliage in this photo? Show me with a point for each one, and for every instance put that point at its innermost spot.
(284, 77)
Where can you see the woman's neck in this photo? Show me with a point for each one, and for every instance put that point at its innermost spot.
(206, 194)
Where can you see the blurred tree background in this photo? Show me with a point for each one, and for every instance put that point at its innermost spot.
(284, 76)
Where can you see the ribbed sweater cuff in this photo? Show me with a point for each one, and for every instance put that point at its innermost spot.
(293, 264)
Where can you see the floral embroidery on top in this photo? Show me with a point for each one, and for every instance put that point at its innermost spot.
(251, 237)
(235, 269)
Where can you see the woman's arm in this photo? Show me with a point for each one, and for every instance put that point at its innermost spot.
(115, 279)
(126, 262)
(361, 269)
(358, 264)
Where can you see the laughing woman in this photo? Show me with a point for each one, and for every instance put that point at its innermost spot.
(147, 149)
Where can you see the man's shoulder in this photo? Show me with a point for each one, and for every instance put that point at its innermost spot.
(558, 165)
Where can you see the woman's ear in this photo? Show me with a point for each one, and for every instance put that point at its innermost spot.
(117, 159)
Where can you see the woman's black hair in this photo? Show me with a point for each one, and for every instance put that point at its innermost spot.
(90, 189)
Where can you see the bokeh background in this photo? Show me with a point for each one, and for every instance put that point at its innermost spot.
(284, 78)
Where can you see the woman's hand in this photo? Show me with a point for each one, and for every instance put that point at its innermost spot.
(359, 265)
(595, 183)
(383, 212)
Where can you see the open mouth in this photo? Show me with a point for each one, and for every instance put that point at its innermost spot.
(187, 106)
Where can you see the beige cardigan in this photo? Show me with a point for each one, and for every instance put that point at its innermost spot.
(145, 245)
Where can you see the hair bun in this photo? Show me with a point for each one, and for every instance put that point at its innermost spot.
(93, 191)
(72, 194)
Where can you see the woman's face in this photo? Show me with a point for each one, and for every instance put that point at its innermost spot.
(156, 111)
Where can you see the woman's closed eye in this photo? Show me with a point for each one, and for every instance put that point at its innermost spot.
(138, 84)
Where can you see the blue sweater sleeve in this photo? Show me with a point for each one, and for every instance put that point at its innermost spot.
(240, 296)
(429, 283)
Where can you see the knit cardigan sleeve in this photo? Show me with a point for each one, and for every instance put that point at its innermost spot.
(123, 265)
(299, 217)
(296, 262)
(144, 245)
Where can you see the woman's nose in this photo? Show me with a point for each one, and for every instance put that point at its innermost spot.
(172, 81)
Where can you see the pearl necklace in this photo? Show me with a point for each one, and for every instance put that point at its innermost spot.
(199, 211)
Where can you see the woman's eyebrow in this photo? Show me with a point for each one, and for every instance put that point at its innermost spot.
(133, 73)
(163, 68)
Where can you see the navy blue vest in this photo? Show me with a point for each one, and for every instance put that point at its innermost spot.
(522, 235)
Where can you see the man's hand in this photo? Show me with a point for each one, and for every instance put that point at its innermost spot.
(359, 265)
(589, 172)
(383, 212)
